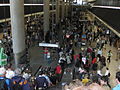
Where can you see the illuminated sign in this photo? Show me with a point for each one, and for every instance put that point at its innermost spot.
(48, 45)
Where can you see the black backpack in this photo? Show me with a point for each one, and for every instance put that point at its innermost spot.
(3, 85)
(17, 85)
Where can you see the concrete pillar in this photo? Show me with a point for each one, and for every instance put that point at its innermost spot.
(69, 7)
(66, 8)
(57, 11)
(52, 18)
(63, 9)
(46, 10)
(18, 32)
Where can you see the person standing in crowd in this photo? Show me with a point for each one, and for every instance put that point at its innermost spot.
(19, 83)
(96, 84)
(47, 78)
(53, 78)
(68, 58)
(9, 72)
(99, 53)
(48, 57)
(109, 54)
(99, 73)
(62, 61)
(85, 80)
(110, 40)
(41, 82)
(107, 75)
(58, 71)
(117, 87)
(93, 54)
(5, 84)
(103, 61)
(98, 43)
(94, 60)
(94, 67)
(45, 53)
(103, 83)
(118, 54)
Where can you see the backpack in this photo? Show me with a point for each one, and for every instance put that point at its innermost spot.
(17, 85)
(3, 84)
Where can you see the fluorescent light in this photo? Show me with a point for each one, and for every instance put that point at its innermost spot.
(48, 45)
(110, 7)
(4, 4)
(26, 4)
(33, 4)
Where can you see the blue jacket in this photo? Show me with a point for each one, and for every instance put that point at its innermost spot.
(25, 84)
(41, 82)
(8, 82)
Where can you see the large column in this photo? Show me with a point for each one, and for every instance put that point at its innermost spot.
(18, 32)
(46, 16)
(57, 11)
(66, 13)
(52, 18)
(70, 7)
(63, 9)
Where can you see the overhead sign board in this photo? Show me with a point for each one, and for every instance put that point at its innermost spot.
(48, 45)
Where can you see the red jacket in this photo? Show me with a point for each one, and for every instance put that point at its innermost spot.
(45, 51)
(94, 60)
(58, 70)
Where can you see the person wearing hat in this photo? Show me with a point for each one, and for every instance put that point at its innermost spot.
(5, 84)
(18, 79)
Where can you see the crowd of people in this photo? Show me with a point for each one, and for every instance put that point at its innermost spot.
(90, 61)
(47, 77)
(94, 84)
(90, 71)
(17, 79)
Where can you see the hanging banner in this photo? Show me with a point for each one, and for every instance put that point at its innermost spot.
(48, 45)
(3, 57)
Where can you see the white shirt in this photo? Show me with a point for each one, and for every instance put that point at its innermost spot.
(10, 74)
(60, 53)
(48, 55)
(107, 72)
(68, 59)
(61, 58)
(47, 78)
(81, 70)
(100, 52)
(84, 60)
(99, 73)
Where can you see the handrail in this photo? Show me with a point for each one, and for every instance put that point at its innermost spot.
(37, 71)
(25, 67)
(112, 29)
